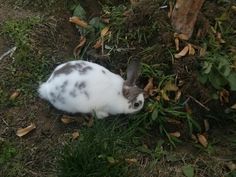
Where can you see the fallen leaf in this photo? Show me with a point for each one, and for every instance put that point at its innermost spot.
(188, 170)
(194, 137)
(231, 166)
(104, 31)
(164, 96)
(77, 49)
(178, 95)
(183, 52)
(177, 44)
(66, 120)
(171, 9)
(219, 38)
(202, 140)
(169, 86)
(78, 21)
(75, 135)
(191, 50)
(233, 107)
(202, 52)
(224, 96)
(23, 131)
(149, 86)
(14, 95)
(106, 20)
(131, 161)
(175, 134)
(98, 44)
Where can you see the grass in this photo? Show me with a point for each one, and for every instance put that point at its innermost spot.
(100, 151)
(27, 68)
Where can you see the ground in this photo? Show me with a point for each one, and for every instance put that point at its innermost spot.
(52, 41)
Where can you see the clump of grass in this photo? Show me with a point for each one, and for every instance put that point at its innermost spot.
(7, 152)
(27, 68)
(100, 151)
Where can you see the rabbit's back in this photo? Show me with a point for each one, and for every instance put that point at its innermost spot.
(80, 86)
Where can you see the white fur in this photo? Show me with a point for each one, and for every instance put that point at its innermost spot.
(104, 91)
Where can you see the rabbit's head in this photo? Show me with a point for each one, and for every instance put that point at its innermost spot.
(130, 91)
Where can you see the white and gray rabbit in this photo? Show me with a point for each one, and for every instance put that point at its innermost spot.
(85, 87)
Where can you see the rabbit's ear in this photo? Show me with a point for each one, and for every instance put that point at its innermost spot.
(132, 72)
(130, 90)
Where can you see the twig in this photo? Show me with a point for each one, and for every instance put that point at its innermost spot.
(198, 102)
(11, 51)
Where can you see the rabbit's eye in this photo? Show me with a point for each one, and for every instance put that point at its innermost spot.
(136, 105)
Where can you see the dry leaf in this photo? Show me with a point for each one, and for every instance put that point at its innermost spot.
(78, 21)
(164, 96)
(77, 49)
(131, 161)
(224, 96)
(170, 87)
(202, 140)
(171, 9)
(23, 131)
(231, 166)
(202, 52)
(14, 95)
(175, 134)
(149, 86)
(219, 38)
(182, 52)
(67, 120)
(177, 44)
(104, 31)
(194, 137)
(233, 107)
(191, 49)
(75, 135)
(173, 121)
(106, 20)
(206, 125)
(98, 44)
(178, 95)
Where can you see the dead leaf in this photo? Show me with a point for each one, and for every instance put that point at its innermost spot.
(202, 140)
(131, 161)
(66, 119)
(233, 107)
(164, 96)
(75, 135)
(173, 121)
(14, 95)
(175, 134)
(98, 44)
(104, 31)
(191, 50)
(178, 95)
(171, 9)
(106, 20)
(224, 96)
(194, 137)
(177, 44)
(170, 87)
(23, 131)
(78, 21)
(231, 166)
(202, 52)
(182, 53)
(149, 86)
(77, 49)
(219, 38)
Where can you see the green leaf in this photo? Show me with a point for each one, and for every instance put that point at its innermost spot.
(216, 80)
(202, 78)
(232, 81)
(80, 12)
(188, 170)
(207, 67)
(111, 159)
(154, 114)
(96, 23)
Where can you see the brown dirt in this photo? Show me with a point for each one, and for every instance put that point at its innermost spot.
(36, 151)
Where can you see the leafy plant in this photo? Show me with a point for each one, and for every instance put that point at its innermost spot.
(218, 72)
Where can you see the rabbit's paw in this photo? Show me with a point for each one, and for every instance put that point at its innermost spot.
(101, 115)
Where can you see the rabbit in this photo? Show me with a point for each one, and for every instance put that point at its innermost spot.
(85, 87)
